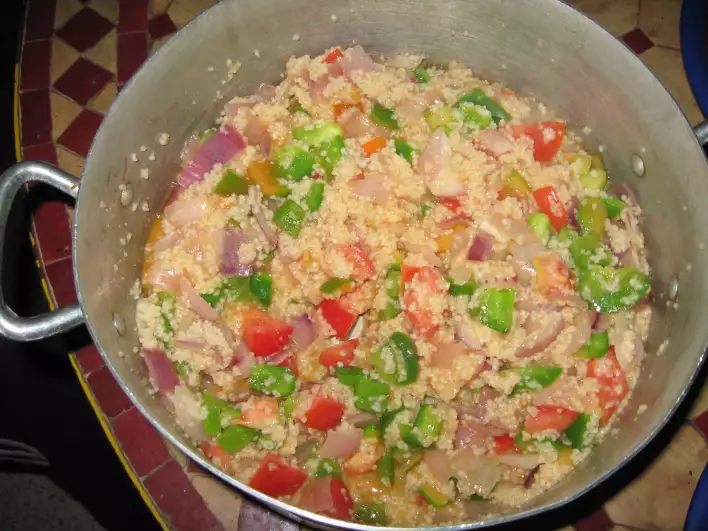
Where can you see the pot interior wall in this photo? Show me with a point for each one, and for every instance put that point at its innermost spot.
(538, 47)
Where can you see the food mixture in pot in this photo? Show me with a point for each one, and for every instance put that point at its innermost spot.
(394, 293)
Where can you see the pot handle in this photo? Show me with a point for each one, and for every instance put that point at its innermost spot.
(12, 325)
(701, 132)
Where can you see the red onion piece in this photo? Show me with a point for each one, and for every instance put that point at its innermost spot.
(602, 322)
(164, 279)
(624, 191)
(482, 428)
(316, 495)
(317, 89)
(466, 334)
(219, 148)
(303, 451)
(190, 344)
(243, 359)
(356, 58)
(540, 336)
(303, 332)
(444, 356)
(370, 186)
(356, 124)
(265, 92)
(570, 209)
(438, 464)
(434, 165)
(479, 473)
(335, 69)
(360, 420)
(526, 253)
(167, 241)
(582, 324)
(183, 212)
(525, 461)
(411, 109)
(235, 104)
(269, 233)
(493, 142)
(161, 370)
(481, 247)
(196, 303)
(466, 436)
(231, 265)
(341, 443)
(256, 133)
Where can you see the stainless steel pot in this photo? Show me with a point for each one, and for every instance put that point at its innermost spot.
(541, 47)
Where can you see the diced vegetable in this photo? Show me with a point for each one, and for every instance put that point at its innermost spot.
(424, 209)
(433, 496)
(547, 138)
(385, 469)
(272, 379)
(515, 185)
(264, 334)
(217, 410)
(404, 149)
(371, 395)
(548, 203)
(293, 163)
(596, 347)
(349, 375)
(339, 355)
(275, 477)
(587, 251)
(314, 197)
(391, 310)
(234, 438)
(591, 215)
(496, 309)
(611, 290)
(337, 316)
(535, 377)
(475, 114)
(231, 183)
(261, 285)
(363, 267)
(421, 74)
(415, 299)
(182, 367)
(439, 117)
(549, 417)
(397, 360)
(324, 414)
(290, 217)
(319, 134)
(504, 444)
(426, 428)
(567, 235)
(384, 117)
(371, 513)
(337, 286)
(207, 134)
(374, 145)
(462, 290)
(263, 175)
(614, 206)
(371, 431)
(287, 407)
(612, 382)
(578, 430)
(333, 56)
(328, 467)
(541, 225)
(552, 275)
(328, 154)
(478, 97)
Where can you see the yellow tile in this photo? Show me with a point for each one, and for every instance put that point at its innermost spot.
(158, 7)
(183, 11)
(65, 10)
(106, 8)
(616, 16)
(64, 111)
(70, 162)
(659, 19)
(221, 499)
(104, 53)
(103, 101)
(659, 498)
(63, 56)
(668, 67)
(701, 403)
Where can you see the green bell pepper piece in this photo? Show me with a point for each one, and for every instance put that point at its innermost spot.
(461, 290)
(296, 106)
(440, 117)
(370, 395)
(217, 410)
(385, 468)
(287, 407)
(212, 298)
(424, 209)
(182, 367)
(328, 467)
(535, 377)
(391, 310)
(329, 154)
(387, 418)
(404, 149)
(293, 163)
(234, 289)
(567, 235)
(272, 379)
(614, 206)
(384, 116)
(591, 215)
(336, 285)
(206, 134)
(371, 431)
(577, 431)
(318, 134)
(433, 496)
(231, 183)
(261, 285)
(235, 438)
(371, 513)
(595, 179)
(478, 97)
(425, 429)
(475, 114)
(393, 281)
(397, 360)
(540, 223)
(610, 290)
(421, 75)
(408, 436)
(348, 375)
(314, 196)
(496, 310)
(587, 251)
(596, 347)
(290, 217)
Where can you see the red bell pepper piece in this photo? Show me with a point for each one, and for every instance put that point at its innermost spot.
(547, 138)
(548, 417)
(504, 444)
(548, 203)
(275, 477)
(333, 56)
(363, 267)
(339, 355)
(338, 317)
(415, 301)
(324, 414)
(612, 383)
(264, 334)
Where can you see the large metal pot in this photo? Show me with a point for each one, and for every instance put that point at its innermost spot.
(541, 47)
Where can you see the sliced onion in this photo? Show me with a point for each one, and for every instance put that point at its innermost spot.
(316, 495)
(244, 359)
(461, 274)
(335, 69)
(444, 356)
(161, 370)
(167, 241)
(482, 428)
(231, 264)
(540, 336)
(164, 279)
(526, 253)
(514, 229)
(481, 247)
(433, 96)
(602, 322)
(341, 443)
(196, 303)
(190, 344)
(356, 58)
(219, 148)
(452, 222)
(466, 334)
(412, 109)
(466, 436)
(480, 474)
(304, 450)
(188, 413)
(317, 90)
(460, 243)
(356, 124)
(182, 212)
(265, 92)
(269, 233)
(434, 165)
(493, 142)
(525, 461)
(237, 103)
(438, 464)
(582, 324)
(256, 133)
(303, 332)
(360, 420)
(371, 186)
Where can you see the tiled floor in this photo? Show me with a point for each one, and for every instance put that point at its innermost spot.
(76, 56)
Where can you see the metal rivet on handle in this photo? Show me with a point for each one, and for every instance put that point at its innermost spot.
(119, 324)
(637, 165)
(126, 195)
(672, 288)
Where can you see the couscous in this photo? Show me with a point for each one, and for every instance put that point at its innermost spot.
(394, 293)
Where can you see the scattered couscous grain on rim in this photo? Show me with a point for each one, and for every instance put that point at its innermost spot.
(393, 293)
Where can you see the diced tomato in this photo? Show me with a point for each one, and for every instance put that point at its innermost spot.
(213, 450)
(548, 203)
(504, 444)
(547, 138)
(363, 267)
(275, 477)
(338, 317)
(264, 334)
(416, 299)
(341, 500)
(264, 411)
(550, 418)
(333, 56)
(407, 274)
(612, 383)
(374, 145)
(339, 355)
(324, 414)
(552, 275)
(455, 205)
(340, 108)
(327, 495)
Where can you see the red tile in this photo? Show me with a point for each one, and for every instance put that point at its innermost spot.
(89, 358)
(84, 29)
(44, 152)
(60, 275)
(161, 25)
(52, 230)
(132, 52)
(597, 521)
(141, 442)
(35, 65)
(110, 396)
(132, 16)
(701, 424)
(638, 41)
(83, 80)
(36, 117)
(40, 19)
(79, 135)
(179, 500)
